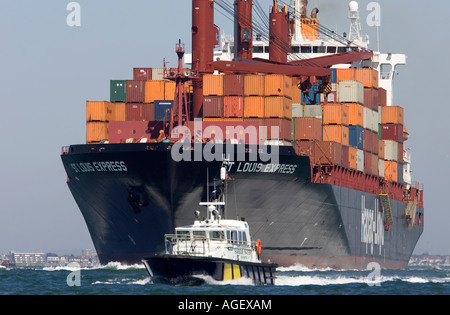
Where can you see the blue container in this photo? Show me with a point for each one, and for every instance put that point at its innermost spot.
(333, 76)
(356, 137)
(162, 110)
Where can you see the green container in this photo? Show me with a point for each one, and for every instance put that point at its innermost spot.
(118, 91)
(379, 131)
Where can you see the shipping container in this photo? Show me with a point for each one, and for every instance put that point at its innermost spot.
(254, 85)
(356, 137)
(351, 92)
(169, 90)
(352, 158)
(118, 90)
(134, 112)
(392, 115)
(213, 106)
(371, 98)
(367, 76)
(391, 171)
(370, 119)
(360, 160)
(382, 97)
(381, 149)
(297, 110)
(142, 74)
(96, 110)
(154, 90)
(278, 85)
(355, 114)
(135, 131)
(345, 159)
(296, 92)
(96, 132)
(327, 153)
(284, 128)
(371, 164)
(213, 85)
(162, 110)
(277, 107)
(390, 150)
(233, 85)
(135, 91)
(335, 114)
(371, 141)
(157, 74)
(305, 148)
(381, 171)
(116, 112)
(307, 128)
(401, 148)
(254, 106)
(392, 132)
(212, 119)
(336, 133)
(233, 106)
(313, 111)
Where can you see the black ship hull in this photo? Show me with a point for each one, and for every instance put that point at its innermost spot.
(185, 269)
(130, 195)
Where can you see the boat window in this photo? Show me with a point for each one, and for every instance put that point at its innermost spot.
(266, 49)
(240, 236)
(228, 236)
(199, 234)
(319, 49)
(258, 49)
(295, 49)
(234, 236)
(216, 235)
(244, 237)
(183, 235)
(306, 49)
(331, 49)
(342, 50)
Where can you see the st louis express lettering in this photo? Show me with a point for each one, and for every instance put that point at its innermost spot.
(107, 166)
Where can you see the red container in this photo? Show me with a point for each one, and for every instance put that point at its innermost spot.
(305, 148)
(392, 132)
(382, 97)
(371, 98)
(213, 106)
(328, 153)
(370, 141)
(135, 91)
(142, 74)
(308, 128)
(345, 156)
(135, 131)
(284, 125)
(370, 163)
(400, 153)
(233, 106)
(134, 111)
(233, 85)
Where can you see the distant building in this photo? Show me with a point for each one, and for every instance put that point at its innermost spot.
(29, 259)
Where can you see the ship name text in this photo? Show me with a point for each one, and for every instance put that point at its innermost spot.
(106, 166)
(265, 168)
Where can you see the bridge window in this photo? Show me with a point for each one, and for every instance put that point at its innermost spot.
(295, 49)
(331, 49)
(319, 49)
(258, 49)
(306, 49)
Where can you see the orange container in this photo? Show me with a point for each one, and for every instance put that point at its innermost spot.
(154, 91)
(233, 106)
(96, 132)
(278, 85)
(212, 119)
(169, 90)
(392, 115)
(296, 92)
(381, 149)
(96, 110)
(352, 158)
(213, 85)
(367, 76)
(391, 171)
(335, 114)
(355, 114)
(254, 85)
(336, 133)
(277, 107)
(254, 106)
(116, 112)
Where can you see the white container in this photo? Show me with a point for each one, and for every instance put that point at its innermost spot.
(158, 74)
(351, 92)
(381, 168)
(312, 111)
(360, 160)
(390, 150)
(370, 119)
(297, 110)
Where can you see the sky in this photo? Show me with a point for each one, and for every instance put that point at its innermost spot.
(49, 69)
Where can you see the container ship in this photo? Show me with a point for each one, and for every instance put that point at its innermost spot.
(319, 165)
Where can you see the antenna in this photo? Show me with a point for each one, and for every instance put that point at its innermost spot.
(355, 26)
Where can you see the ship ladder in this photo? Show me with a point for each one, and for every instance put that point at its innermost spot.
(410, 213)
(386, 208)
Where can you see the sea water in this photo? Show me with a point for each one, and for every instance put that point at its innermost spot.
(117, 279)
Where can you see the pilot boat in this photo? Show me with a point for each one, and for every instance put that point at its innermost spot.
(220, 248)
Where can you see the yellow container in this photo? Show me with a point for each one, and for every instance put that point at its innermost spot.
(392, 115)
(278, 85)
(212, 85)
(355, 114)
(367, 76)
(254, 106)
(116, 112)
(96, 131)
(336, 133)
(277, 107)
(169, 90)
(154, 91)
(337, 114)
(96, 110)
